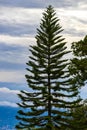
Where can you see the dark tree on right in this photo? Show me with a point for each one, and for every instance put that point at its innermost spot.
(53, 91)
(78, 70)
(79, 121)
(78, 65)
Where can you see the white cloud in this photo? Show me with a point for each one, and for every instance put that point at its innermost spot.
(16, 40)
(15, 15)
(84, 92)
(8, 97)
(70, 19)
(18, 15)
(6, 90)
(12, 76)
(6, 103)
(69, 39)
(73, 20)
(82, 4)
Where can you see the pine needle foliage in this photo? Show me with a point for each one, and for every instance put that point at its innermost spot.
(45, 107)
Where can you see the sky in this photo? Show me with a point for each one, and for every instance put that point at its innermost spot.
(19, 20)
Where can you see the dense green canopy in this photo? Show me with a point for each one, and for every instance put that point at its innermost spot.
(78, 65)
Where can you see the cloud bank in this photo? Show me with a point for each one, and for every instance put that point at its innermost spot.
(8, 97)
(18, 23)
(6, 103)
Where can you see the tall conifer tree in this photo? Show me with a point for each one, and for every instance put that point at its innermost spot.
(45, 107)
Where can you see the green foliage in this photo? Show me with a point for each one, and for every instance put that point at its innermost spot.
(80, 47)
(79, 120)
(52, 90)
(78, 66)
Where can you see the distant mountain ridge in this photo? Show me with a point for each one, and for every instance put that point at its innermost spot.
(7, 118)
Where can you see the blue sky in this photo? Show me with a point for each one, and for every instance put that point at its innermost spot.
(18, 22)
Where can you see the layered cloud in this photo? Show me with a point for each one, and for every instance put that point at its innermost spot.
(83, 92)
(18, 23)
(15, 16)
(13, 56)
(23, 21)
(17, 40)
(12, 76)
(44, 3)
(8, 97)
(6, 103)
(5, 90)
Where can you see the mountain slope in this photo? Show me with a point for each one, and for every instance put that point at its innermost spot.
(7, 118)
